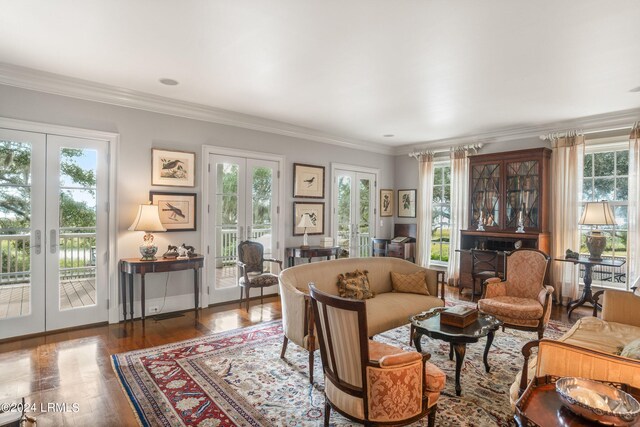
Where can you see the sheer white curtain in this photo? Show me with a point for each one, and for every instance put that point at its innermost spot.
(633, 238)
(423, 212)
(567, 161)
(459, 209)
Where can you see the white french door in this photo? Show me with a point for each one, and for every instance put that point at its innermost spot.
(243, 201)
(354, 201)
(53, 232)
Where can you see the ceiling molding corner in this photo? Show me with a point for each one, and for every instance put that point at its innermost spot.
(41, 81)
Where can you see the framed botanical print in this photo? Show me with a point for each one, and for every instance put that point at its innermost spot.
(316, 215)
(386, 203)
(173, 168)
(308, 181)
(177, 210)
(406, 203)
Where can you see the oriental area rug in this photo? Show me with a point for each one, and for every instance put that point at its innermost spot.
(237, 378)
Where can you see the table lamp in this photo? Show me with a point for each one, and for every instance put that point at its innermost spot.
(597, 213)
(305, 222)
(147, 220)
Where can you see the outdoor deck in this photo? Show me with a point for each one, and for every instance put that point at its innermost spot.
(14, 299)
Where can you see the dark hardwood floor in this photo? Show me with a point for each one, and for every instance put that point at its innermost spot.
(75, 366)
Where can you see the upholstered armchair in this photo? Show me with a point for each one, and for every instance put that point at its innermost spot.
(365, 380)
(521, 301)
(251, 268)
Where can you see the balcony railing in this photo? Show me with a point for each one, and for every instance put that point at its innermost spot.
(228, 243)
(76, 251)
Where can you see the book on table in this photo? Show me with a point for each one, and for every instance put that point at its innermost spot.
(460, 316)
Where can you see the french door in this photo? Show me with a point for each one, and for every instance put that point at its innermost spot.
(243, 206)
(53, 232)
(354, 210)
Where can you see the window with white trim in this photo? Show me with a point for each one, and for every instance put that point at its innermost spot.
(441, 213)
(606, 177)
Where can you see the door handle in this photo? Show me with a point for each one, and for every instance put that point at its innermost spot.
(53, 242)
(37, 247)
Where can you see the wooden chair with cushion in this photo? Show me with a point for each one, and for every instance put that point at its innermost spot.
(521, 301)
(251, 265)
(367, 381)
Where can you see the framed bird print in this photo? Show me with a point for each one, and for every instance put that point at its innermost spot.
(308, 181)
(177, 210)
(386, 203)
(173, 168)
(406, 203)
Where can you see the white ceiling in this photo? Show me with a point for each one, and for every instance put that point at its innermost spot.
(421, 70)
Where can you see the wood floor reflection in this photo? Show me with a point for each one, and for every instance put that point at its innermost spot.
(75, 366)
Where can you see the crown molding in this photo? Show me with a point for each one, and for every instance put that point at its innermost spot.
(589, 124)
(28, 78)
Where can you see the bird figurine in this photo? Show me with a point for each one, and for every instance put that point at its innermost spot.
(175, 212)
(310, 181)
(170, 164)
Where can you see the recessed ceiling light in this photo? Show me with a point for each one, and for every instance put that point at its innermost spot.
(388, 135)
(169, 82)
(635, 89)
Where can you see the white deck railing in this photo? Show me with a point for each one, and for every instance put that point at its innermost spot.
(76, 251)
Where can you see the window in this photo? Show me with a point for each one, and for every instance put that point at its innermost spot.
(441, 213)
(606, 177)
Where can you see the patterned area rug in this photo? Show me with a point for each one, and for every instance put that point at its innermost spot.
(238, 379)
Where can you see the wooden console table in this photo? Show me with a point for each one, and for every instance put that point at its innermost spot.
(311, 252)
(587, 295)
(131, 266)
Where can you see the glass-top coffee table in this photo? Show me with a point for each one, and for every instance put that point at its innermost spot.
(428, 323)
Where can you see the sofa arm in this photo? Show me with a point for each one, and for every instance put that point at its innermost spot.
(566, 360)
(494, 287)
(621, 307)
(435, 282)
(294, 314)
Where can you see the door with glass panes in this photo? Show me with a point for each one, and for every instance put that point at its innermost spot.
(53, 232)
(244, 194)
(353, 221)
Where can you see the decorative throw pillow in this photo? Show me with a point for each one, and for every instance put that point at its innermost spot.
(413, 283)
(632, 350)
(354, 285)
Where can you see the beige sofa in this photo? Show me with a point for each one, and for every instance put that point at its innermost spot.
(387, 310)
(588, 348)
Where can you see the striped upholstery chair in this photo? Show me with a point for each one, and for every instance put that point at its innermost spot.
(368, 381)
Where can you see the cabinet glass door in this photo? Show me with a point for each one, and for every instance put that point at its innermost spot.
(523, 191)
(485, 195)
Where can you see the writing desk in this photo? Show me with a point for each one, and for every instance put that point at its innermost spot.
(311, 252)
(131, 266)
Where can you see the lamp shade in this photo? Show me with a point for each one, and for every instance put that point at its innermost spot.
(147, 219)
(305, 221)
(597, 213)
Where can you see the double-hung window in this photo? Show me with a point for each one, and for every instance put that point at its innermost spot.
(441, 213)
(606, 177)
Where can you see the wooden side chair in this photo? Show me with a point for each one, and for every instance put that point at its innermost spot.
(484, 265)
(521, 300)
(251, 269)
(367, 381)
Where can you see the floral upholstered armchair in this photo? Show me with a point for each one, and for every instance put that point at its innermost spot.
(365, 380)
(521, 301)
(251, 265)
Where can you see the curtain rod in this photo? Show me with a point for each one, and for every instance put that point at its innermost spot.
(554, 135)
(474, 147)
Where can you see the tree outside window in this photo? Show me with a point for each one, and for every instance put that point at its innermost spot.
(441, 213)
(606, 177)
